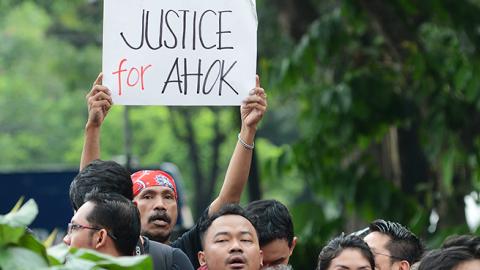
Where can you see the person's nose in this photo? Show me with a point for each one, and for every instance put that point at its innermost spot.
(160, 204)
(236, 246)
(67, 240)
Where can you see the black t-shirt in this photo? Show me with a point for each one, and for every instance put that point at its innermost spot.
(164, 257)
(190, 242)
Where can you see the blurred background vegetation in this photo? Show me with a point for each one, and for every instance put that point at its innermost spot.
(374, 111)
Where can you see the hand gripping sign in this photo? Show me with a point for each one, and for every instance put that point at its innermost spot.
(182, 52)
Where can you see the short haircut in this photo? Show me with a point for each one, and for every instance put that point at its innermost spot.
(454, 251)
(119, 216)
(228, 209)
(100, 176)
(471, 241)
(272, 221)
(339, 244)
(403, 245)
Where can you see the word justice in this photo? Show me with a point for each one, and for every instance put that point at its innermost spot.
(183, 29)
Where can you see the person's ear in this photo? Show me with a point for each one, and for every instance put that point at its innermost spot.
(294, 243)
(201, 258)
(404, 265)
(101, 239)
(261, 258)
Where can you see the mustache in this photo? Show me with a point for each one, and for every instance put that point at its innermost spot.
(159, 216)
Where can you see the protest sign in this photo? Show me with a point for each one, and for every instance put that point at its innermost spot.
(182, 52)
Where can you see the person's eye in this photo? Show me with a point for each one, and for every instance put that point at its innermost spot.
(148, 197)
(221, 240)
(247, 240)
(169, 197)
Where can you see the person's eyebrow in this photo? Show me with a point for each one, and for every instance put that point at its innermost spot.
(342, 267)
(221, 233)
(246, 233)
(167, 191)
(148, 192)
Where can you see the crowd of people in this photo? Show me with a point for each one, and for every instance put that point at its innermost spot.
(123, 214)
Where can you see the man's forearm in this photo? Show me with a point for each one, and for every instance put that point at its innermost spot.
(237, 173)
(91, 146)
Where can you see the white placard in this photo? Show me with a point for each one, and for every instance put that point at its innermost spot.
(179, 52)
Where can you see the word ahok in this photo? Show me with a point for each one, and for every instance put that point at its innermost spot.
(215, 77)
(180, 76)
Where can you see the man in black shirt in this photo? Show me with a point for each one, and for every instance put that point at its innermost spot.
(157, 202)
(110, 178)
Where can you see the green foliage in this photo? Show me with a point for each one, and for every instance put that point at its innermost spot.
(19, 249)
(373, 112)
(369, 79)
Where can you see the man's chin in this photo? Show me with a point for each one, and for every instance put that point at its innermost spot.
(161, 236)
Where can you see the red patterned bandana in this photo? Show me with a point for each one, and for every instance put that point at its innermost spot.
(148, 178)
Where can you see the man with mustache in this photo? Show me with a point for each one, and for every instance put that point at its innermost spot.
(110, 178)
(155, 191)
(229, 241)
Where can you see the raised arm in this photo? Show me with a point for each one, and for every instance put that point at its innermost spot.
(99, 102)
(252, 110)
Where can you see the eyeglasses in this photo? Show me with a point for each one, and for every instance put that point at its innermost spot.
(74, 227)
(391, 256)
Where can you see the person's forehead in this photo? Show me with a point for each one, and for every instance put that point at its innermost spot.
(350, 257)
(231, 224)
(82, 212)
(276, 250)
(377, 241)
(469, 265)
(277, 246)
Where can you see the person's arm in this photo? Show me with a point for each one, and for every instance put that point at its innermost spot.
(252, 111)
(99, 102)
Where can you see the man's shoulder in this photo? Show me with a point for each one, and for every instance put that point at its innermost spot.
(154, 245)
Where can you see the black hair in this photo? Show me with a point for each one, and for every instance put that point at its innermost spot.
(100, 176)
(470, 241)
(454, 251)
(228, 209)
(339, 244)
(272, 221)
(404, 245)
(119, 216)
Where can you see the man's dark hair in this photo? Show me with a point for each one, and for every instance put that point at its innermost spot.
(453, 252)
(403, 245)
(228, 209)
(272, 221)
(339, 244)
(471, 241)
(100, 176)
(119, 216)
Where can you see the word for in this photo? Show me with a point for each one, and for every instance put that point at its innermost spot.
(180, 29)
(178, 78)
